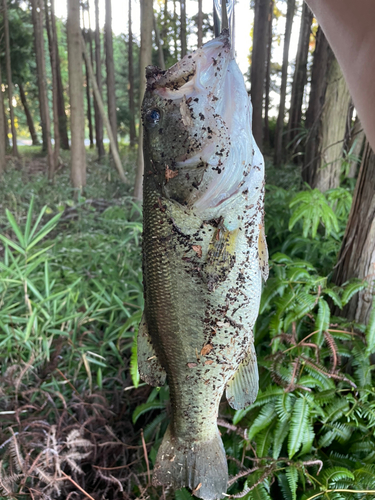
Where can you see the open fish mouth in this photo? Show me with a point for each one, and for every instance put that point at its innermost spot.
(197, 118)
(194, 72)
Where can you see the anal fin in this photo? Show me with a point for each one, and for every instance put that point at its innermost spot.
(242, 389)
(149, 366)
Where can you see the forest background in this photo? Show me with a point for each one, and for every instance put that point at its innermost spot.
(75, 420)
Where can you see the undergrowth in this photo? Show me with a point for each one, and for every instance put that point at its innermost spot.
(75, 420)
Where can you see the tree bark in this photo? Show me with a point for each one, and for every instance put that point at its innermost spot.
(52, 43)
(357, 254)
(116, 157)
(111, 89)
(158, 44)
(144, 60)
(132, 133)
(284, 80)
(88, 100)
(9, 78)
(37, 6)
(87, 37)
(183, 28)
(325, 119)
(268, 75)
(300, 76)
(258, 67)
(200, 24)
(98, 118)
(355, 146)
(2, 130)
(77, 116)
(29, 118)
(63, 122)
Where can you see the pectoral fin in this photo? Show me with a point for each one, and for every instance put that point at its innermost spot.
(263, 253)
(149, 366)
(221, 256)
(242, 389)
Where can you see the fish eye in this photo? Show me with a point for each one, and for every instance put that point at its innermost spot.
(153, 115)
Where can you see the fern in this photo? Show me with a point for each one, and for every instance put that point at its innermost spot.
(292, 477)
(312, 207)
(351, 289)
(298, 425)
(266, 415)
(281, 432)
(370, 331)
(145, 407)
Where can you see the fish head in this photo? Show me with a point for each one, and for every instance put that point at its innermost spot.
(197, 126)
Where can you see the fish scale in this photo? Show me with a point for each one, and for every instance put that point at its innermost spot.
(202, 267)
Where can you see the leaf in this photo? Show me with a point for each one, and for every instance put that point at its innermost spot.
(334, 296)
(323, 317)
(16, 228)
(263, 420)
(370, 331)
(334, 474)
(298, 425)
(145, 407)
(291, 473)
(352, 288)
(134, 364)
(281, 432)
(182, 494)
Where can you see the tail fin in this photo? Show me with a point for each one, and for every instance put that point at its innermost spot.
(199, 465)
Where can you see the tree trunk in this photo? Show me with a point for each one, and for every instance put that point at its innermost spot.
(158, 44)
(200, 24)
(86, 36)
(268, 76)
(2, 130)
(88, 99)
(37, 6)
(258, 67)
(183, 28)
(29, 118)
(325, 119)
(38, 55)
(300, 76)
(132, 132)
(144, 60)
(175, 36)
(55, 97)
(63, 122)
(98, 118)
(111, 89)
(9, 77)
(357, 254)
(77, 116)
(116, 157)
(284, 80)
(355, 146)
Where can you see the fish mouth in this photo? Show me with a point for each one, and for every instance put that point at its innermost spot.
(195, 72)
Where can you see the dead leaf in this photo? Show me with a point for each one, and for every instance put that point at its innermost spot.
(197, 249)
(192, 365)
(169, 174)
(197, 488)
(206, 349)
(208, 362)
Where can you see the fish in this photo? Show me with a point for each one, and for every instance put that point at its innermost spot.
(204, 257)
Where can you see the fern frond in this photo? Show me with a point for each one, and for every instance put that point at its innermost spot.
(281, 432)
(266, 415)
(351, 289)
(298, 425)
(291, 473)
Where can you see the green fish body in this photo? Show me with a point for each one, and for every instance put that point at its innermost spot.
(204, 256)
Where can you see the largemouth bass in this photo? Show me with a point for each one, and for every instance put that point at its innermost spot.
(204, 254)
